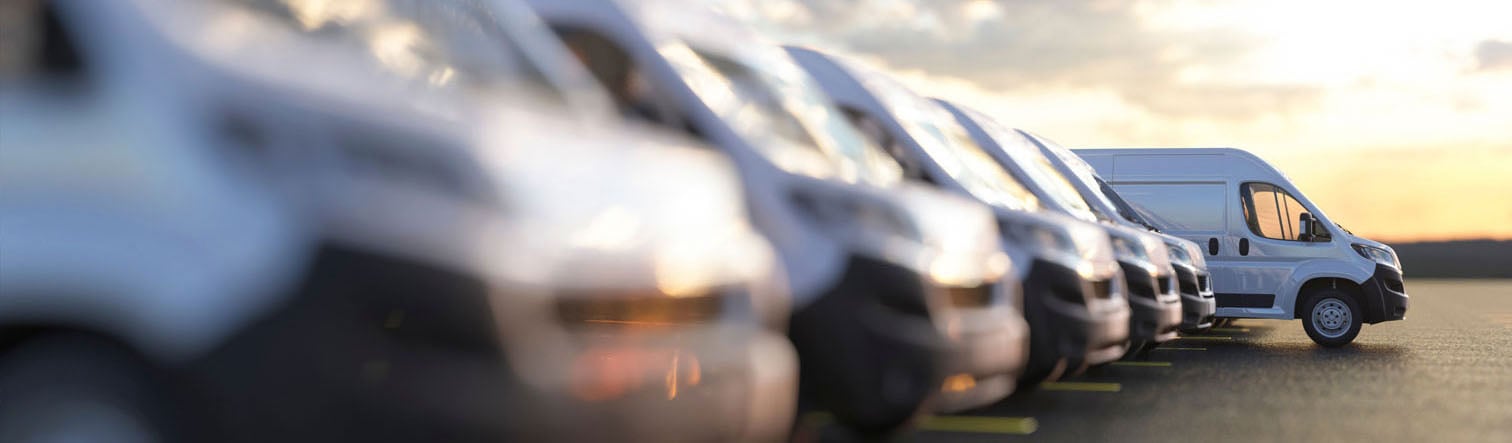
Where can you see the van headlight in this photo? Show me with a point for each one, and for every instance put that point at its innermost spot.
(1378, 255)
(1130, 250)
(1179, 254)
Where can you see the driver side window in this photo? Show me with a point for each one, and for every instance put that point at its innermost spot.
(1271, 212)
(878, 135)
(614, 69)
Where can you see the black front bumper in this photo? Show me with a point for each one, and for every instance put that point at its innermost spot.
(868, 350)
(1385, 295)
(1198, 306)
(1150, 318)
(1060, 324)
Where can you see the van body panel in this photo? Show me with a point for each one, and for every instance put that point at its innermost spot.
(1177, 190)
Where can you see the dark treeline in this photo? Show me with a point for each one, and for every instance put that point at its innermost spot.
(1456, 259)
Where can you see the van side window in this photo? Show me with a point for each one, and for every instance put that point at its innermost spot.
(1271, 212)
(612, 66)
(36, 44)
(878, 135)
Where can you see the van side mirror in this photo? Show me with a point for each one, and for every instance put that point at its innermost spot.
(1312, 229)
(1304, 221)
(1319, 231)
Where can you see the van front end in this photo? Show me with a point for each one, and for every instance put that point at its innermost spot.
(1199, 308)
(1074, 295)
(1154, 298)
(869, 348)
(988, 345)
(974, 294)
(1385, 294)
(925, 316)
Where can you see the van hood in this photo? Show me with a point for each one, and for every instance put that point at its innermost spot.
(1091, 253)
(636, 207)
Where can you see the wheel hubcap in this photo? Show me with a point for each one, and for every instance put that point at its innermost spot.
(1331, 318)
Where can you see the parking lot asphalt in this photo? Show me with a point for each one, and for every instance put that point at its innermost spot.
(1443, 374)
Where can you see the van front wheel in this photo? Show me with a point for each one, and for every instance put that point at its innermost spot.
(1331, 317)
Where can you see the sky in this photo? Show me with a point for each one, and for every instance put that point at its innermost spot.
(1394, 117)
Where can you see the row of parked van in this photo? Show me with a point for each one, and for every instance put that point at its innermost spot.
(586, 220)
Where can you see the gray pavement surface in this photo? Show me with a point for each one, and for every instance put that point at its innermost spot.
(1444, 374)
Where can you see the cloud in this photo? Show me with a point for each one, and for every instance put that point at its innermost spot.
(1493, 55)
(1017, 45)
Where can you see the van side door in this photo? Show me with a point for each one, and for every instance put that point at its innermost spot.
(1196, 210)
(1270, 246)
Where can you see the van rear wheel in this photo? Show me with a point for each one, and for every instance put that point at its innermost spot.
(1331, 317)
(73, 387)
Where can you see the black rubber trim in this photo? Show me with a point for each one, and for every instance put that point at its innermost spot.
(1139, 282)
(1385, 295)
(1246, 300)
(853, 347)
(1056, 333)
(363, 350)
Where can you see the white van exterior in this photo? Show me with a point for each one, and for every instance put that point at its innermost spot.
(1267, 259)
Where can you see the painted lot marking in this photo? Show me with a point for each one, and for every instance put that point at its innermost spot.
(980, 425)
(1229, 329)
(1174, 348)
(1143, 364)
(1205, 337)
(1081, 386)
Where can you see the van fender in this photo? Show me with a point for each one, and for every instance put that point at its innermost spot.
(170, 290)
(1286, 296)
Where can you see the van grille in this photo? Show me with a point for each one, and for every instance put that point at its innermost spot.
(972, 297)
(1165, 284)
(651, 309)
(1202, 283)
(1102, 289)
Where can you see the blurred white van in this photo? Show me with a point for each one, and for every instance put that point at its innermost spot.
(1272, 252)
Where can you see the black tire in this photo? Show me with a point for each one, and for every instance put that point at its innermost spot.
(1337, 308)
(73, 387)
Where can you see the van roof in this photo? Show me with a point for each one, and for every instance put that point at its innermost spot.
(1239, 163)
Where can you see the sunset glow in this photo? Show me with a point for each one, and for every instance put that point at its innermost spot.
(1396, 118)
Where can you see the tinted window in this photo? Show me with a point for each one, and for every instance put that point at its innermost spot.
(1271, 212)
(1125, 210)
(1038, 169)
(439, 43)
(1186, 207)
(948, 144)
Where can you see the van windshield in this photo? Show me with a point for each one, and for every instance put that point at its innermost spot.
(776, 106)
(1124, 208)
(436, 43)
(1083, 172)
(948, 145)
(1036, 166)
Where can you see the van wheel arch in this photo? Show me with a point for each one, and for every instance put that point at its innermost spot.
(1343, 284)
(47, 372)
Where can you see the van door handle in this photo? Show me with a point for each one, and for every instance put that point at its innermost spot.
(1243, 246)
(1212, 246)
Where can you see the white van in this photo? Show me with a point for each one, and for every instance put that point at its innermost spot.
(200, 243)
(1075, 296)
(1150, 270)
(1273, 254)
(901, 292)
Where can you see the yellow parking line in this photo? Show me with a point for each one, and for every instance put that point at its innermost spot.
(1205, 337)
(1174, 348)
(1143, 364)
(1229, 329)
(981, 425)
(1081, 386)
